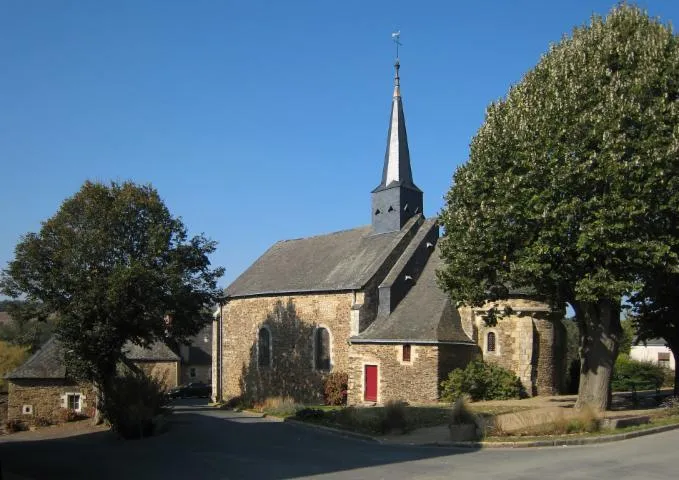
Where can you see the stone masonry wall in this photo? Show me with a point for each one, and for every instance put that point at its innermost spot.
(526, 343)
(550, 353)
(168, 372)
(416, 381)
(292, 320)
(46, 398)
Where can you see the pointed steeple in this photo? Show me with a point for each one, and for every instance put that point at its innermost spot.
(396, 198)
(397, 157)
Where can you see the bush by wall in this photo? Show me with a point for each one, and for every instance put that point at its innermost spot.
(335, 388)
(132, 402)
(481, 381)
(629, 374)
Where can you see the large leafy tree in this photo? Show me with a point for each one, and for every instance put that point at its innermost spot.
(113, 265)
(569, 182)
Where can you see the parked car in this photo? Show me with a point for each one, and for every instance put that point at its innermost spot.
(196, 389)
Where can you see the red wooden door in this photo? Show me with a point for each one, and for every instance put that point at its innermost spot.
(370, 388)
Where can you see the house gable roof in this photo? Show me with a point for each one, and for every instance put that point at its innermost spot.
(344, 260)
(48, 362)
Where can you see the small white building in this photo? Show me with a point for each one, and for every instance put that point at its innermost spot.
(654, 351)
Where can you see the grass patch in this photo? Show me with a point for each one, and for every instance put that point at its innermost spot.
(278, 407)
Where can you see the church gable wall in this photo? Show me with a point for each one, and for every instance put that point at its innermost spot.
(292, 321)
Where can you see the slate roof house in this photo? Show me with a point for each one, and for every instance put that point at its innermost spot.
(41, 386)
(365, 301)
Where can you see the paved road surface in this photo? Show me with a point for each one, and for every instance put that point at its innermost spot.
(209, 444)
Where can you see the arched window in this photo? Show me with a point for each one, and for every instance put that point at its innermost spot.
(264, 347)
(490, 342)
(322, 349)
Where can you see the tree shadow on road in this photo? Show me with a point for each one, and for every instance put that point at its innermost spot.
(206, 445)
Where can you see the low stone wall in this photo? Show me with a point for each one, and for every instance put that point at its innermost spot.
(45, 398)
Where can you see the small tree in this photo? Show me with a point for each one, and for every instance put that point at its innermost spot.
(114, 266)
(569, 182)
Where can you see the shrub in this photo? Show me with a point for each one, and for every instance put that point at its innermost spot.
(13, 426)
(65, 415)
(310, 414)
(460, 414)
(335, 388)
(630, 375)
(131, 403)
(42, 422)
(481, 381)
(671, 406)
(279, 406)
(394, 416)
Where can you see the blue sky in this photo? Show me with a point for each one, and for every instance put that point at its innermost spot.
(256, 121)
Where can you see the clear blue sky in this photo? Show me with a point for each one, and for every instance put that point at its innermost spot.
(256, 121)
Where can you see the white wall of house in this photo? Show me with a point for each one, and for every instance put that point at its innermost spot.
(651, 353)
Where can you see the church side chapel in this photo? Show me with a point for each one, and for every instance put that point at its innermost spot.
(366, 302)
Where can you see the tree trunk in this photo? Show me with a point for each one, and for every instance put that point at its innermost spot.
(98, 418)
(600, 333)
(676, 371)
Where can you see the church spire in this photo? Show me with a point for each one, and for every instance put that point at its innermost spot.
(397, 157)
(396, 198)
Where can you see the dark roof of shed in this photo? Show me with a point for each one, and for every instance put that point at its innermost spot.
(48, 362)
(156, 352)
(343, 260)
(426, 314)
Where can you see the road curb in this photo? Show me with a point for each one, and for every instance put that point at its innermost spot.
(561, 442)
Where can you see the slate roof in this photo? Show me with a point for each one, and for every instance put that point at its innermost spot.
(425, 315)
(48, 362)
(157, 352)
(343, 260)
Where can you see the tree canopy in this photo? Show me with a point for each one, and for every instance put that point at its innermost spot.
(113, 265)
(572, 181)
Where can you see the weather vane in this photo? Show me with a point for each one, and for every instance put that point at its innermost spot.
(396, 37)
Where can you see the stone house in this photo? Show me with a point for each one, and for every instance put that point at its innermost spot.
(41, 387)
(654, 350)
(366, 302)
(196, 358)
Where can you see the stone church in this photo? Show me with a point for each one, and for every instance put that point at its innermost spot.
(365, 301)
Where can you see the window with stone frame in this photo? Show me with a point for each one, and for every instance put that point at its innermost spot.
(73, 401)
(264, 347)
(406, 351)
(322, 349)
(490, 342)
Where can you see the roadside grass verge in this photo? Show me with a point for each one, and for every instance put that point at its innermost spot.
(659, 421)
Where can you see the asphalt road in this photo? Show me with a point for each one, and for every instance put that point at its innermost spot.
(209, 444)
